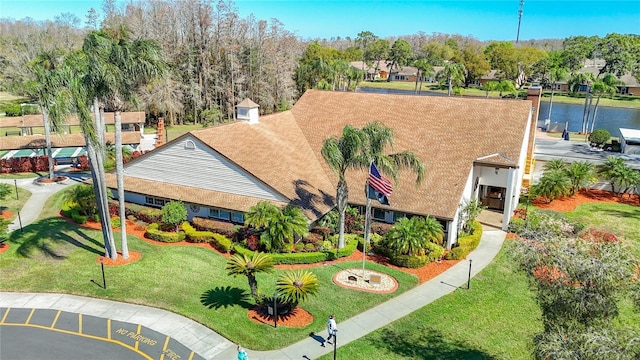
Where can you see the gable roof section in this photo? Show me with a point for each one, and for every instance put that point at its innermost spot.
(276, 152)
(497, 159)
(129, 117)
(447, 133)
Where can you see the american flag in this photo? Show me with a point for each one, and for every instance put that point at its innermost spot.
(377, 182)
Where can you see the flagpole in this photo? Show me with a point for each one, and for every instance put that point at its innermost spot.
(367, 227)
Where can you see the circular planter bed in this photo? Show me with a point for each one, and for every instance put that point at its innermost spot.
(43, 181)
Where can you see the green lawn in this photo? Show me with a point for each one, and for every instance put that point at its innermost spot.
(22, 175)
(14, 205)
(54, 256)
(498, 317)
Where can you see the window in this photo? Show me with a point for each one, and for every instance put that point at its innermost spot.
(154, 201)
(398, 215)
(242, 112)
(237, 217)
(189, 144)
(219, 214)
(379, 214)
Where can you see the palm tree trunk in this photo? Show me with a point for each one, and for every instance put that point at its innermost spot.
(595, 112)
(120, 181)
(415, 89)
(589, 110)
(47, 137)
(253, 284)
(101, 178)
(341, 198)
(93, 163)
(584, 112)
(551, 101)
(450, 87)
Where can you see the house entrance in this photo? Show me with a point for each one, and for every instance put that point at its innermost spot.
(493, 197)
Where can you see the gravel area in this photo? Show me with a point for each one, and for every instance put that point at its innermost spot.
(352, 278)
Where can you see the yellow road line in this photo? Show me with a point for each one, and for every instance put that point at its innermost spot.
(55, 320)
(138, 332)
(191, 356)
(164, 348)
(86, 336)
(30, 315)
(79, 323)
(109, 329)
(5, 316)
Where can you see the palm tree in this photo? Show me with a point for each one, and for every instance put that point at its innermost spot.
(452, 72)
(424, 69)
(607, 85)
(433, 230)
(341, 154)
(574, 84)
(506, 86)
(84, 197)
(356, 149)
(277, 226)
(123, 65)
(410, 236)
(354, 75)
(555, 164)
(611, 170)
(490, 86)
(243, 265)
(556, 74)
(340, 68)
(553, 185)
(580, 174)
(261, 215)
(297, 286)
(51, 93)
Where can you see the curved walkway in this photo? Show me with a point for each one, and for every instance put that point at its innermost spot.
(209, 344)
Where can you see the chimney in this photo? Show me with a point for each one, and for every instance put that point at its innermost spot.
(533, 94)
(160, 140)
(248, 111)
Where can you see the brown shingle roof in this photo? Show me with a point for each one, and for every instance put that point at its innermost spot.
(283, 150)
(130, 117)
(447, 134)
(60, 141)
(276, 152)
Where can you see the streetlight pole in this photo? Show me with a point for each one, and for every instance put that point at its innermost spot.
(335, 344)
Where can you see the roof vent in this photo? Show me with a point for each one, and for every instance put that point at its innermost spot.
(248, 111)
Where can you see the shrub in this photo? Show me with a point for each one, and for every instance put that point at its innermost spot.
(196, 236)
(323, 231)
(77, 218)
(220, 227)
(288, 248)
(153, 226)
(457, 253)
(309, 247)
(167, 237)
(599, 137)
(598, 236)
(253, 243)
(434, 252)
(174, 213)
(516, 225)
(313, 238)
(380, 228)
(299, 246)
(131, 218)
(304, 257)
(222, 243)
(412, 262)
(145, 213)
(115, 223)
(140, 225)
(326, 245)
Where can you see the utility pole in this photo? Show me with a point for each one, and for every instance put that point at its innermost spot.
(519, 20)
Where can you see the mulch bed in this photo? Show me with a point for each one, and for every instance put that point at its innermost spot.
(586, 197)
(299, 317)
(6, 214)
(4, 247)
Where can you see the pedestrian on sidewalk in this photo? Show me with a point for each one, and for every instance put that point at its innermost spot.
(332, 328)
(242, 353)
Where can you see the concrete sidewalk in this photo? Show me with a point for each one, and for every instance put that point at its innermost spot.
(39, 195)
(210, 345)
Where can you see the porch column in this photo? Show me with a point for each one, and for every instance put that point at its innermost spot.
(511, 198)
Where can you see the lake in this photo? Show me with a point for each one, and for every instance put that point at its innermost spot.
(609, 118)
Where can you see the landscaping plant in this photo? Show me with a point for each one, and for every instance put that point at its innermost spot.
(239, 264)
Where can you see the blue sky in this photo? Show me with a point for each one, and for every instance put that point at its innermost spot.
(485, 20)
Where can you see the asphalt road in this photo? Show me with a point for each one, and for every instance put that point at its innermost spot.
(27, 334)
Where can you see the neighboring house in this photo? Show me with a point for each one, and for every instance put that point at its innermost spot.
(371, 73)
(63, 147)
(630, 141)
(131, 121)
(472, 148)
(630, 86)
